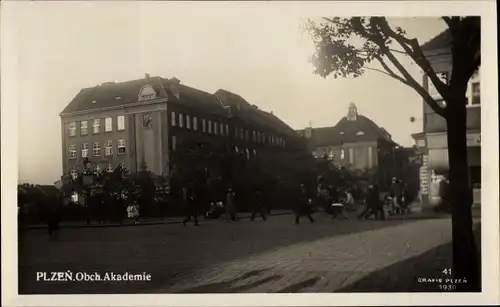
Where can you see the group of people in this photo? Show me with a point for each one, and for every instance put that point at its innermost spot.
(194, 200)
(395, 199)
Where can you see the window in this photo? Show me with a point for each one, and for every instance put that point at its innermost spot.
(108, 148)
(195, 124)
(72, 151)
(84, 127)
(254, 137)
(108, 124)
(121, 147)
(216, 128)
(174, 142)
(96, 149)
(209, 127)
(246, 135)
(121, 123)
(181, 122)
(241, 134)
(227, 130)
(236, 134)
(72, 129)
(221, 128)
(203, 125)
(476, 94)
(173, 119)
(188, 122)
(95, 125)
(360, 133)
(85, 150)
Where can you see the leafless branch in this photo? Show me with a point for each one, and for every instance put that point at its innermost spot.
(405, 74)
(412, 47)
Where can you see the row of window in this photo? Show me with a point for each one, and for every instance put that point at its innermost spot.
(217, 128)
(96, 126)
(96, 149)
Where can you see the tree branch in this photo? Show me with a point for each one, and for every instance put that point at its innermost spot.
(410, 81)
(412, 47)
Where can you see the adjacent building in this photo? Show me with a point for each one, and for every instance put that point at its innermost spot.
(355, 142)
(144, 120)
(432, 141)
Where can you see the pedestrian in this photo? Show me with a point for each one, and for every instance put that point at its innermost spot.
(396, 193)
(378, 206)
(304, 205)
(258, 205)
(53, 223)
(371, 202)
(136, 213)
(230, 205)
(191, 206)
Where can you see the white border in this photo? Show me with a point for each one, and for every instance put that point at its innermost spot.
(490, 240)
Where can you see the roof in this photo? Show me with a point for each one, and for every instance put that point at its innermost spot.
(252, 114)
(347, 131)
(105, 96)
(441, 41)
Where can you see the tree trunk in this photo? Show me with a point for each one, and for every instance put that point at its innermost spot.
(465, 257)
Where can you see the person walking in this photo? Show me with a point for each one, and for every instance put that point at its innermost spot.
(191, 206)
(371, 201)
(53, 223)
(396, 193)
(304, 205)
(230, 205)
(258, 205)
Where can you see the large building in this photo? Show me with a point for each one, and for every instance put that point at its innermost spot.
(354, 142)
(433, 140)
(144, 120)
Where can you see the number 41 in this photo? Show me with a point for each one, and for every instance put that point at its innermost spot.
(447, 271)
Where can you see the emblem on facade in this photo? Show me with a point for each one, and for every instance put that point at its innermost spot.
(147, 120)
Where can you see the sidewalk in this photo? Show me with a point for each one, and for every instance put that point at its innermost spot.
(145, 221)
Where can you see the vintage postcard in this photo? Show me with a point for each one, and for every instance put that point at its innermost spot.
(249, 153)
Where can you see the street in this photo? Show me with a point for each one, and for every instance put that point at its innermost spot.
(231, 257)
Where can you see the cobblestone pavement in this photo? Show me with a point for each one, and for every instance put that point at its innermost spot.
(244, 256)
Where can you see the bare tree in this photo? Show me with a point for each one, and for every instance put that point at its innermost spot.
(338, 55)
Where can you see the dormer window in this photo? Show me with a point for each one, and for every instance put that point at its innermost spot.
(94, 101)
(359, 133)
(118, 98)
(147, 92)
(342, 133)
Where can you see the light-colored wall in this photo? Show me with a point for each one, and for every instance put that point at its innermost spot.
(360, 154)
(133, 121)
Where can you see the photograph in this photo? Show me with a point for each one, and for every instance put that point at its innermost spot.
(248, 148)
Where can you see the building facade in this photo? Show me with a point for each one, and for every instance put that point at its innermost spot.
(144, 120)
(433, 140)
(355, 142)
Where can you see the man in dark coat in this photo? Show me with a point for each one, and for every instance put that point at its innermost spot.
(304, 205)
(258, 205)
(191, 206)
(373, 204)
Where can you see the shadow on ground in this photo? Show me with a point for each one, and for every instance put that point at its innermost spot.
(169, 253)
(406, 276)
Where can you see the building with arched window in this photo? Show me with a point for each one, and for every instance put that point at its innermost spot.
(147, 119)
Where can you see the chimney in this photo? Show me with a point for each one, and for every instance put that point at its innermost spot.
(147, 76)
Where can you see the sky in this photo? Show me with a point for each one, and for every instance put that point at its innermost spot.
(262, 55)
